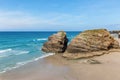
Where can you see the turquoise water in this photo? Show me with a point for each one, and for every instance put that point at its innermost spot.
(19, 48)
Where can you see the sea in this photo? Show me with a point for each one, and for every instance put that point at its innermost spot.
(20, 48)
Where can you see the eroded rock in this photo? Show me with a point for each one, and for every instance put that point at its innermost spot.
(89, 43)
(57, 43)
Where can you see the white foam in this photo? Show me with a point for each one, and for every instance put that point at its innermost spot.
(9, 52)
(5, 50)
(4, 53)
(46, 55)
(19, 64)
(22, 52)
(40, 39)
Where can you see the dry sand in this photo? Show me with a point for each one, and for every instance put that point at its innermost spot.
(58, 68)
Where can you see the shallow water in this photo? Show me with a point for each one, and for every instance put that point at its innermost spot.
(19, 48)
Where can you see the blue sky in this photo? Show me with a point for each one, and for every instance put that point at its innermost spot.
(52, 15)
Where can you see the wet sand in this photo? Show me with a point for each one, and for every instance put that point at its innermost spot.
(58, 68)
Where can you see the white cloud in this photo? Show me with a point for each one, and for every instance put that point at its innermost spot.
(15, 18)
(11, 13)
(18, 20)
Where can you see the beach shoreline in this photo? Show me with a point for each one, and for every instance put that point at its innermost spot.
(56, 67)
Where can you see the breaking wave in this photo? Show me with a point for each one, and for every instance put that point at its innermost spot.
(40, 39)
(19, 64)
(9, 52)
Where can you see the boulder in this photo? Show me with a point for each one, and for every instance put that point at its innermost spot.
(87, 43)
(57, 43)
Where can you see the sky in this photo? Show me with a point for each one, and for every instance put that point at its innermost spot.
(55, 15)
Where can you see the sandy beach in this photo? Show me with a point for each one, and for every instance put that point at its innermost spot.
(58, 68)
(59, 39)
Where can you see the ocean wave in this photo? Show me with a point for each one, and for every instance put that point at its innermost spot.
(45, 55)
(5, 50)
(36, 59)
(19, 64)
(40, 39)
(4, 53)
(9, 52)
(22, 52)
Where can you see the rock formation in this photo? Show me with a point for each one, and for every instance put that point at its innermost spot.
(57, 43)
(90, 43)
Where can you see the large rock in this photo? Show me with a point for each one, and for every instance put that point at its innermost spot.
(56, 43)
(87, 43)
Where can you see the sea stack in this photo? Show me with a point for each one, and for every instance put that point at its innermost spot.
(90, 43)
(57, 43)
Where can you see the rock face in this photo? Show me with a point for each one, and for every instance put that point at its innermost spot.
(90, 41)
(57, 43)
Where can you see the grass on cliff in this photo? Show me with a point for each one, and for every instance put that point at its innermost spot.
(62, 33)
